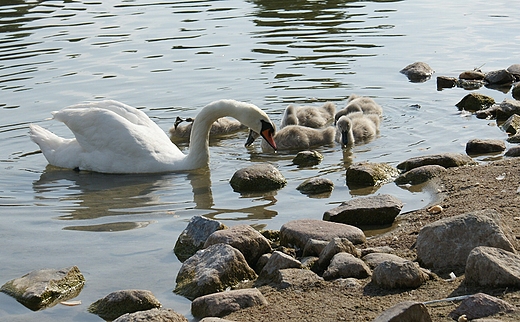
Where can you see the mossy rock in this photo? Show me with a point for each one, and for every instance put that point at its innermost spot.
(474, 102)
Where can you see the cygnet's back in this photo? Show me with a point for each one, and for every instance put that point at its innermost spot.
(362, 104)
(222, 126)
(356, 128)
(296, 137)
(310, 116)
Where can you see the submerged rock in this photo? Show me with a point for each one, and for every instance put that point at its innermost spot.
(447, 160)
(118, 303)
(308, 158)
(418, 72)
(479, 146)
(258, 177)
(474, 102)
(316, 186)
(45, 288)
(420, 174)
(365, 174)
(194, 236)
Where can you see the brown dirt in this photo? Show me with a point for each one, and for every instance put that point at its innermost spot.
(464, 189)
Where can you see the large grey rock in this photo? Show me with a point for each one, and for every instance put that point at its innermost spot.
(399, 274)
(276, 262)
(295, 278)
(501, 76)
(194, 236)
(405, 311)
(444, 245)
(298, 232)
(481, 305)
(316, 186)
(418, 72)
(492, 267)
(447, 160)
(345, 265)
(153, 315)
(118, 303)
(512, 124)
(336, 245)
(220, 304)
(45, 288)
(481, 146)
(258, 177)
(420, 174)
(374, 259)
(366, 174)
(211, 270)
(365, 211)
(245, 238)
(507, 108)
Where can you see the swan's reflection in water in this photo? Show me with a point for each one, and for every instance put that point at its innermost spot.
(94, 197)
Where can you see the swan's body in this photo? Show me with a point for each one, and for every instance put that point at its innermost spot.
(362, 104)
(310, 116)
(357, 128)
(222, 126)
(296, 137)
(112, 137)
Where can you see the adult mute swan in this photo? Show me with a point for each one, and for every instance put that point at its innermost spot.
(357, 128)
(112, 137)
(310, 116)
(296, 137)
(363, 104)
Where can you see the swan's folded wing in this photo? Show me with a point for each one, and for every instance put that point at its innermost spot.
(117, 129)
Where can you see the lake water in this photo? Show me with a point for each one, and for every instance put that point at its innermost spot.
(170, 58)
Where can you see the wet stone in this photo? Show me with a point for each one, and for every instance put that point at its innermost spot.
(479, 146)
(308, 158)
(316, 186)
(259, 177)
(474, 102)
(418, 72)
(118, 303)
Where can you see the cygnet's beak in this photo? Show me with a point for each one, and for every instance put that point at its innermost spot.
(344, 138)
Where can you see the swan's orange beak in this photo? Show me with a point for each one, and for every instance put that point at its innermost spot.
(267, 133)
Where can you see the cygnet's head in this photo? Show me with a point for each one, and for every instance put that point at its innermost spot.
(344, 131)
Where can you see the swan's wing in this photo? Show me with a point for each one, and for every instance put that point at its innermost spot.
(117, 128)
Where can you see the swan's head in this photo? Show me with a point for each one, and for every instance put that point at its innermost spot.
(267, 132)
(344, 128)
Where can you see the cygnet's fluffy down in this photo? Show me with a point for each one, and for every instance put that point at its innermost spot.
(310, 116)
(296, 137)
(362, 104)
(222, 126)
(357, 128)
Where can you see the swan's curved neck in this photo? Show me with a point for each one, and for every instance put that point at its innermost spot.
(198, 155)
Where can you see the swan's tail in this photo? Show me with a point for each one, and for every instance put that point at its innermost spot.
(58, 151)
(44, 138)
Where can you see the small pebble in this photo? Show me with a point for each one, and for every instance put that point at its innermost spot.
(435, 209)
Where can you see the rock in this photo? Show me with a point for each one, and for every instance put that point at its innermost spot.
(420, 174)
(435, 241)
(365, 174)
(374, 259)
(313, 247)
(258, 177)
(335, 246)
(498, 77)
(220, 304)
(398, 274)
(295, 278)
(507, 108)
(194, 236)
(118, 303)
(310, 262)
(214, 319)
(446, 82)
(514, 70)
(488, 113)
(365, 211)
(153, 315)
(513, 152)
(261, 262)
(479, 146)
(470, 84)
(405, 311)
(316, 186)
(492, 267)
(344, 265)
(251, 243)
(276, 262)
(512, 124)
(308, 158)
(212, 270)
(447, 160)
(516, 91)
(474, 102)
(481, 305)
(418, 72)
(298, 232)
(377, 249)
(472, 75)
(45, 288)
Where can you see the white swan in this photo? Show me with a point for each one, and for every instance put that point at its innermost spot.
(362, 104)
(222, 126)
(296, 137)
(356, 128)
(310, 116)
(112, 137)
